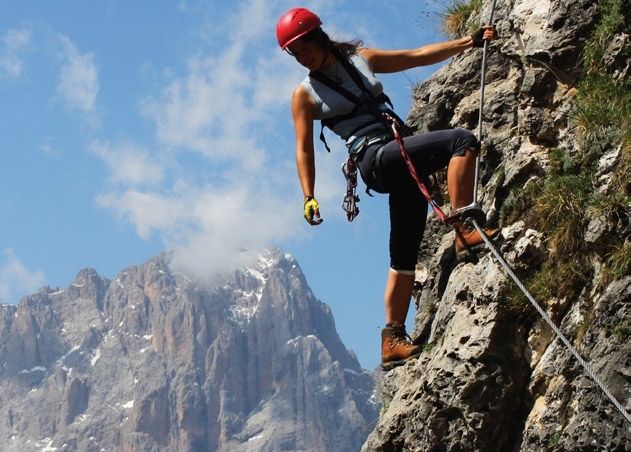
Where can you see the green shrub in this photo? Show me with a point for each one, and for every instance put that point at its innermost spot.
(456, 15)
(610, 22)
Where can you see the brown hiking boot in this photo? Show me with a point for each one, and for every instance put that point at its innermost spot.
(397, 347)
(468, 240)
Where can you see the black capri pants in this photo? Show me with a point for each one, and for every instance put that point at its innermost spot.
(387, 172)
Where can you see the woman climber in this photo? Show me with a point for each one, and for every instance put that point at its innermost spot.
(377, 154)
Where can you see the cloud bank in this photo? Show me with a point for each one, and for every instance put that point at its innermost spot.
(218, 182)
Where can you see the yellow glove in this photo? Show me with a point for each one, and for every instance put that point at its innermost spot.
(312, 211)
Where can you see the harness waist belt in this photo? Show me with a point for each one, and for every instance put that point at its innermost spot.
(356, 144)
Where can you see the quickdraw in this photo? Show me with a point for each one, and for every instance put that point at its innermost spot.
(349, 169)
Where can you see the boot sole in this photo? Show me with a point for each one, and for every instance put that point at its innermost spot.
(470, 251)
(389, 365)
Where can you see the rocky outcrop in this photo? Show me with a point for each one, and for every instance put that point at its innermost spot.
(493, 375)
(155, 361)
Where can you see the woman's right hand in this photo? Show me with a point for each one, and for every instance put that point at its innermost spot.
(312, 211)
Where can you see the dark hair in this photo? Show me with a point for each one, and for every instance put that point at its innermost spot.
(321, 39)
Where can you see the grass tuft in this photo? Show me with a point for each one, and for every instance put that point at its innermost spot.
(455, 17)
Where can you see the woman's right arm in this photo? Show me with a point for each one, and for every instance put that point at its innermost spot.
(303, 112)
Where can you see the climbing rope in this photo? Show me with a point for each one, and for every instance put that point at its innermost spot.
(449, 220)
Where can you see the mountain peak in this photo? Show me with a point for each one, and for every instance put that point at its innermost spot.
(154, 360)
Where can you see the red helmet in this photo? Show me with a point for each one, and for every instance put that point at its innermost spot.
(295, 23)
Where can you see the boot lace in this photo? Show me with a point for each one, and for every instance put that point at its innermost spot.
(400, 338)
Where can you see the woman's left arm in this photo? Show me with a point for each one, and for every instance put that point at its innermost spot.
(388, 61)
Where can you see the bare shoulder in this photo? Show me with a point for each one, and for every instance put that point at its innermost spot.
(301, 96)
(369, 52)
(302, 103)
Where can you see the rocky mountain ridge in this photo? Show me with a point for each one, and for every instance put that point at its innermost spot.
(155, 361)
(494, 376)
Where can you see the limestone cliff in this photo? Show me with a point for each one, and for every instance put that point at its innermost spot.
(155, 361)
(494, 376)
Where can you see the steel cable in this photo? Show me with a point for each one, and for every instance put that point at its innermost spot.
(507, 268)
(549, 321)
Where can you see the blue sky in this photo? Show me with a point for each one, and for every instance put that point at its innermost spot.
(129, 128)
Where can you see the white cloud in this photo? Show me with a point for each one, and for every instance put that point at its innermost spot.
(129, 163)
(224, 183)
(78, 81)
(16, 280)
(148, 211)
(229, 221)
(14, 43)
(224, 152)
(201, 222)
(206, 106)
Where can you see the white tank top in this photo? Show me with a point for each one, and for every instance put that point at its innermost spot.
(330, 103)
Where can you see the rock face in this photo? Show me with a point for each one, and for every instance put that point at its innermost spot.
(494, 376)
(153, 361)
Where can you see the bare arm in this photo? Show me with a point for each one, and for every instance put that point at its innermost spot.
(387, 61)
(303, 112)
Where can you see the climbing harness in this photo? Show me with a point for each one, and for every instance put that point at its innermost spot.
(472, 219)
(381, 112)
